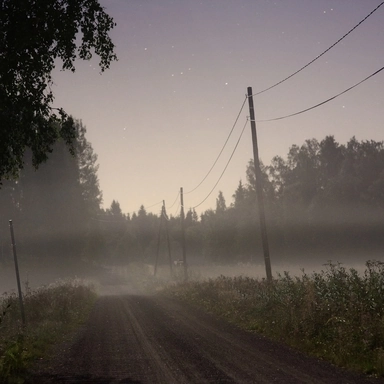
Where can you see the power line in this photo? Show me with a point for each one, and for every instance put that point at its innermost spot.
(174, 201)
(321, 54)
(226, 166)
(177, 210)
(323, 102)
(217, 158)
(226, 141)
(164, 215)
(153, 205)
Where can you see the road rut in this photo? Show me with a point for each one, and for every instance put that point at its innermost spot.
(152, 339)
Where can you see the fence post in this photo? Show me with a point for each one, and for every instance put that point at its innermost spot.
(17, 273)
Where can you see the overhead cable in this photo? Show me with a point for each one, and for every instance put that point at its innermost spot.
(174, 201)
(226, 166)
(321, 54)
(153, 205)
(163, 214)
(177, 210)
(226, 141)
(323, 102)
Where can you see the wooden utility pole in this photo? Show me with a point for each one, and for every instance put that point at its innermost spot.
(183, 234)
(17, 273)
(259, 187)
(163, 217)
(164, 213)
(158, 242)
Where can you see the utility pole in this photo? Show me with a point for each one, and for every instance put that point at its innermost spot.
(163, 217)
(259, 187)
(183, 234)
(158, 242)
(164, 213)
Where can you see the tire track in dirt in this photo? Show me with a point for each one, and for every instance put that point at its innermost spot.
(145, 339)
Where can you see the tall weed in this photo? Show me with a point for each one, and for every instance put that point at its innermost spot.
(337, 314)
(51, 312)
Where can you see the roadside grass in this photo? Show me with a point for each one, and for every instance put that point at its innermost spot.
(336, 314)
(51, 312)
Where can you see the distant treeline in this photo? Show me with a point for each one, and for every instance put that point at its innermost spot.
(324, 197)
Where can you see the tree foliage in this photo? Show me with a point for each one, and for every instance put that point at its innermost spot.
(88, 167)
(33, 36)
(323, 198)
(53, 207)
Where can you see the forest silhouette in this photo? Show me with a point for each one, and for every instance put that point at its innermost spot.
(323, 198)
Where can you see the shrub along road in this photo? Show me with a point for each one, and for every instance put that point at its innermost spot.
(152, 339)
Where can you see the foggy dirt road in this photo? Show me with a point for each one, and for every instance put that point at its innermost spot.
(145, 339)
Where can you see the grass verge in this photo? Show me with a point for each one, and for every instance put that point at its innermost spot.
(51, 312)
(336, 314)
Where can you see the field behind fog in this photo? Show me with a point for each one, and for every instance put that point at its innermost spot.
(138, 277)
(323, 203)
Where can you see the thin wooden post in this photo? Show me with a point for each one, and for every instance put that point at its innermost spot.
(17, 273)
(183, 235)
(259, 188)
(164, 213)
(158, 243)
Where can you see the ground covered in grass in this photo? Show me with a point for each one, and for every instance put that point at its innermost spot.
(336, 314)
(51, 313)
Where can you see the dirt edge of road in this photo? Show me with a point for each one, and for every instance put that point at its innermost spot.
(156, 339)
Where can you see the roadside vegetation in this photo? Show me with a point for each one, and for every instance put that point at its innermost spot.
(336, 314)
(51, 313)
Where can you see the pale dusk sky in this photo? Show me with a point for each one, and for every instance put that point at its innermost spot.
(158, 118)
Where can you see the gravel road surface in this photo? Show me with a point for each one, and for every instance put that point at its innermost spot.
(151, 339)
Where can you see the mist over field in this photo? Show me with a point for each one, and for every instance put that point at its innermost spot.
(268, 267)
(323, 203)
(323, 200)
